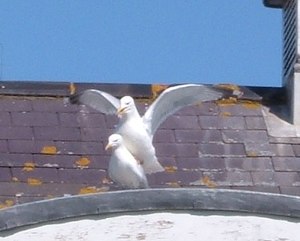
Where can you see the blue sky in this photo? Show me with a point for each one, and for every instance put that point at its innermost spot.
(139, 41)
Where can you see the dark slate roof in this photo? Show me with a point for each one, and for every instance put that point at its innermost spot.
(274, 3)
(50, 148)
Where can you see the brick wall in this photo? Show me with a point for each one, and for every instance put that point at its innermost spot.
(50, 148)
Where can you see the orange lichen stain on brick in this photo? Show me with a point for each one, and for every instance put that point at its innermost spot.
(7, 203)
(171, 169)
(228, 86)
(173, 184)
(50, 196)
(208, 182)
(28, 166)
(156, 89)
(83, 162)
(236, 90)
(72, 88)
(251, 104)
(34, 182)
(49, 150)
(252, 154)
(227, 102)
(225, 114)
(92, 189)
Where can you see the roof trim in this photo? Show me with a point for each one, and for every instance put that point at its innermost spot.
(274, 3)
(149, 200)
(64, 89)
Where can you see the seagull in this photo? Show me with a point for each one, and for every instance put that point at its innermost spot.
(138, 131)
(123, 168)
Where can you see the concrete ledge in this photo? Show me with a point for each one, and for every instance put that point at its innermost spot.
(149, 200)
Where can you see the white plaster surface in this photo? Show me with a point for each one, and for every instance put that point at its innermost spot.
(165, 226)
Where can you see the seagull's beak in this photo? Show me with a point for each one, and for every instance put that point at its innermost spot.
(108, 146)
(121, 110)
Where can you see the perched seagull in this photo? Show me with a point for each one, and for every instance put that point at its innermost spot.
(138, 131)
(123, 168)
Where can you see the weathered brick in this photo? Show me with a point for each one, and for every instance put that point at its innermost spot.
(262, 178)
(27, 146)
(209, 122)
(99, 161)
(276, 178)
(57, 133)
(11, 159)
(69, 119)
(3, 146)
(45, 175)
(86, 109)
(81, 176)
(161, 178)
(71, 161)
(203, 164)
(5, 174)
(178, 150)
(16, 132)
(196, 136)
(11, 104)
(188, 110)
(286, 163)
(208, 108)
(11, 188)
(111, 121)
(231, 122)
(34, 119)
(290, 191)
(164, 136)
(54, 105)
(243, 109)
(95, 134)
(91, 120)
(185, 178)
(180, 122)
(5, 119)
(296, 149)
(287, 178)
(48, 190)
(268, 189)
(85, 148)
(259, 149)
(249, 164)
(65, 161)
(230, 178)
(222, 122)
(221, 149)
(283, 150)
(255, 123)
(241, 136)
(141, 107)
(205, 108)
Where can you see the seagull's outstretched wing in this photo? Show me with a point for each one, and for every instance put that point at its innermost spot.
(173, 99)
(98, 100)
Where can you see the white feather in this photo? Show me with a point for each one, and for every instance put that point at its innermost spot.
(123, 168)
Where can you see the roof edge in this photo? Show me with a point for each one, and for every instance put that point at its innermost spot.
(274, 3)
(64, 89)
(163, 199)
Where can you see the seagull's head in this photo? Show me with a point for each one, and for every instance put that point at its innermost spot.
(114, 141)
(127, 106)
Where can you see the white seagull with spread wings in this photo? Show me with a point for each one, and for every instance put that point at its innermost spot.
(137, 131)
